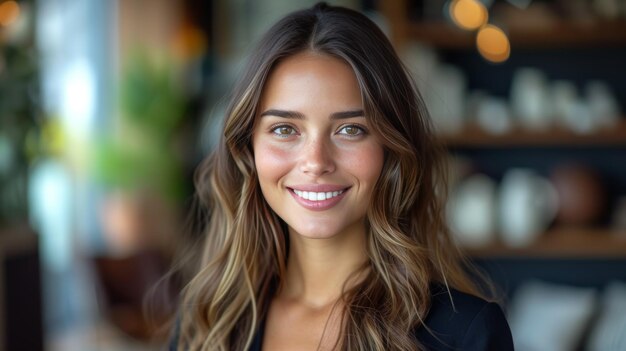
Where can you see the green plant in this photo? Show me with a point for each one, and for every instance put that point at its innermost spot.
(139, 154)
(20, 115)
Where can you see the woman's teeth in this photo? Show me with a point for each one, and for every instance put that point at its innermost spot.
(313, 196)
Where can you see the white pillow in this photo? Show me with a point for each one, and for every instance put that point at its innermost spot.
(550, 317)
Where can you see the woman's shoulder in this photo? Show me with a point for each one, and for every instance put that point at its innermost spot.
(460, 321)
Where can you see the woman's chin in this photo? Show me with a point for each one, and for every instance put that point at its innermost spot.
(314, 232)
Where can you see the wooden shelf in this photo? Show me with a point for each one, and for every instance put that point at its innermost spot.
(474, 136)
(441, 35)
(562, 33)
(570, 33)
(562, 243)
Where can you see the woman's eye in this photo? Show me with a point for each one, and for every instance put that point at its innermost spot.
(283, 131)
(351, 130)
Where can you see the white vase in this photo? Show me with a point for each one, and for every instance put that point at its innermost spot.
(472, 211)
(530, 100)
(528, 204)
(603, 106)
(493, 115)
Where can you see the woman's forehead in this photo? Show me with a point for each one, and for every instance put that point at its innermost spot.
(311, 81)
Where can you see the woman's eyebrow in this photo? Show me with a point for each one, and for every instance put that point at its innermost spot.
(347, 114)
(283, 113)
(298, 115)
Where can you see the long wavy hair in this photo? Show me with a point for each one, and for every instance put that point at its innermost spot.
(244, 253)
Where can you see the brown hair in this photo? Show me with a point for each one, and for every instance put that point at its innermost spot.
(245, 253)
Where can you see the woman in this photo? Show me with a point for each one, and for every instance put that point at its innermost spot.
(326, 222)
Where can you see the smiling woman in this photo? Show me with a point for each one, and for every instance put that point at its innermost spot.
(326, 225)
(312, 140)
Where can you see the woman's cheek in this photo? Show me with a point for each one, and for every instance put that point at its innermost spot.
(271, 159)
(367, 160)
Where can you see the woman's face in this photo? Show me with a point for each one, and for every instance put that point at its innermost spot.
(315, 157)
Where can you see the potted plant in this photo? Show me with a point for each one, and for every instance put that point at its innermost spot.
(137, 161)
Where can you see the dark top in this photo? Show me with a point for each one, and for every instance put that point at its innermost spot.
(471, 324)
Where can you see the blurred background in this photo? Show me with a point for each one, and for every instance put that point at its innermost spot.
(107, 107)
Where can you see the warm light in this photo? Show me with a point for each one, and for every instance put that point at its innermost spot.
(468, 14)
(9, 11)
(190, 42)
(493, 44)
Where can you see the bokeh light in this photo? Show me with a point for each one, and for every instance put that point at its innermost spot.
(9, 12)
(493, 44)
(468, 14)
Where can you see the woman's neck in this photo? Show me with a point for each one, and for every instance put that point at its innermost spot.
(318, 269)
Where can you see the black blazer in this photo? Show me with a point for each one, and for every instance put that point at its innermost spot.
(471, 323)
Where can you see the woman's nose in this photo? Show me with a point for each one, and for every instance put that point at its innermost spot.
(317, 157)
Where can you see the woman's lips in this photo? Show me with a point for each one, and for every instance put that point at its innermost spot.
(318, 197)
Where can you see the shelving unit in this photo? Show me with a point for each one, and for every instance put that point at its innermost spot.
(536, 40)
